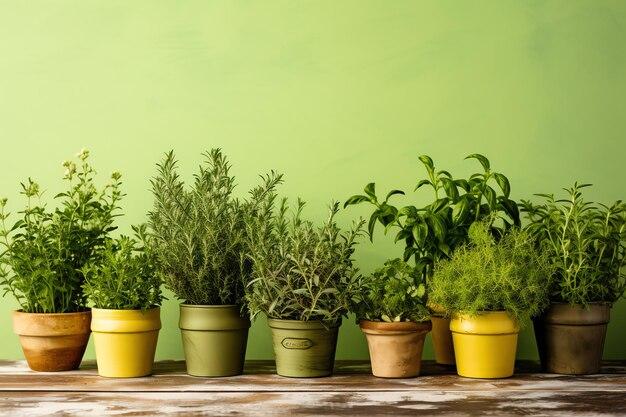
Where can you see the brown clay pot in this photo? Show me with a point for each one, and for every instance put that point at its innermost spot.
(442, 340)
(53, 342)
(570, 339)
(395, 348)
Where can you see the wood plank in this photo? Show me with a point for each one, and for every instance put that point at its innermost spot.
(259, 377)
(457, 403)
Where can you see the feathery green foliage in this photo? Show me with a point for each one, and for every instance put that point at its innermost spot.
(433, 232)
(301, 272)
(395, 292)
(43, 253)
(125, 277)
(199, 235)
(585, 242)
(486, 275)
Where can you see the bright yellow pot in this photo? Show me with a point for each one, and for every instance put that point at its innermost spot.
(125, 341)
(485, 344)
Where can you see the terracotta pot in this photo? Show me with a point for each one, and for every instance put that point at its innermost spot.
(53, 342)
(395, 348)
(442, 340)
(570, 339)
(304, 349)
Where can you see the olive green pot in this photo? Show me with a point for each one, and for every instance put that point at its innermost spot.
(304, 349)
(570, 338)
(214, 339)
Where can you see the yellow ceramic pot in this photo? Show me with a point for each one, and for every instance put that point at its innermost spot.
(485, 344)
(125, 341)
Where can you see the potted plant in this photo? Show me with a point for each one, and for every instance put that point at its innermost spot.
(303, 277)
(125, 292)
(586, 244)
(432, 232)
(198, 236)
(490, 288)
(41, 260)
(390, 305)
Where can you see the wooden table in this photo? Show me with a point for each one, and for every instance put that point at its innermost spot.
(351, 392)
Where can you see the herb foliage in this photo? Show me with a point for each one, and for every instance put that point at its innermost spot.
(395, 292)
(43, 253)
(301, 271)
(125, 277)
(586, 243)
(431, 233)
(489, 275)
(199, 234)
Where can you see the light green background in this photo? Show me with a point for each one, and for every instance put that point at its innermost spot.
(333, 94)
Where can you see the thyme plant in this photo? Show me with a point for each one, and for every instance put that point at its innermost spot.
(395, 292)
(431, 233)
(586, 243)
(198, 235)
(301, 271)
(125, 277)
(42, 254)
(488, 275)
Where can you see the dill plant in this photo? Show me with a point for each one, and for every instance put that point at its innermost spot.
(586, 244)
(43, 253)
(198, 234)
(301, 271)
(125, 277)
(395, 292)
(488, 275)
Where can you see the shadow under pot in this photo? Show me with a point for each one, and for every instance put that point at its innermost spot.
(304, 349)
(125, 341)
(570, 338)
(53, 342)
(485, 344)
(395, 348)
(214, 339)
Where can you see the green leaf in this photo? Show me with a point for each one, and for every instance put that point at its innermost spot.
(428, 162)
(371, 224)
(503, 182)
(420, 232)
(460, 210)
(450, 187)
(355, 199)
(438, 205)
(490, 195)
(481, 158)
(393, 192)
(463, 184)
(438, 226)
(421, 183)
(370, 190)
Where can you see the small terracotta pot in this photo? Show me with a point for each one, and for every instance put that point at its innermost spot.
(570, 338)
(395, 348)
(442, 340)
(53, 342)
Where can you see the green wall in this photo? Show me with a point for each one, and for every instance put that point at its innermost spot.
(333, 94)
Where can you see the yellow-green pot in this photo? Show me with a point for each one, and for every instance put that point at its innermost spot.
(125, 341)
(485, 344)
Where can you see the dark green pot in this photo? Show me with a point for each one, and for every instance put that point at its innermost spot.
(214, 339)
(304, 349)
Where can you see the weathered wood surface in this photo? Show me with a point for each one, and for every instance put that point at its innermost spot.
(352, 391)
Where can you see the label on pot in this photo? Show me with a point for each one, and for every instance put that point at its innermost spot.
(296, 343)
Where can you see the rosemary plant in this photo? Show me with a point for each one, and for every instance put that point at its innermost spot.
(198, 235)
(489, 275)
(300, 271)
(43, 253)
(586, 243)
